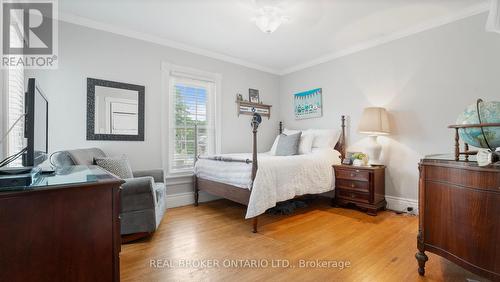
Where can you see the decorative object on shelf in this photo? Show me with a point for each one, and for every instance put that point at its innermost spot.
(249, 108)
(359, 159)
(348, 159)
(253, 96)
(239, 97)
(374, 122)
(486, 157)
(478, 125)
(308, 104)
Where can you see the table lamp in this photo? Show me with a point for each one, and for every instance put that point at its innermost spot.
(374, 122)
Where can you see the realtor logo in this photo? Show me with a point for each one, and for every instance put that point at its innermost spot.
(29, 34)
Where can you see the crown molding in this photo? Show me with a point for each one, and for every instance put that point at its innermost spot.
(462, 14)
(82, 21)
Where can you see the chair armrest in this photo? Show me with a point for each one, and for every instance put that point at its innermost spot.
(138, 185)
(157, 174)
(137, 194)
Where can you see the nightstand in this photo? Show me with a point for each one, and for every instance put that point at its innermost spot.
(362, 186)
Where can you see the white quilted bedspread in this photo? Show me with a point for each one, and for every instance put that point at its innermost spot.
(279, 178)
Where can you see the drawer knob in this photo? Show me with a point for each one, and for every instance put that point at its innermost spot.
(353, 195)
(352, 185)
(352, 174)
(357, 170)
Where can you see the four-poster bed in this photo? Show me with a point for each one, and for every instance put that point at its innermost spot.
(237, 193)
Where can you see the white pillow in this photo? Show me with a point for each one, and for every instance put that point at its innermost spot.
(287, 131)
(275, 145)
(324, 138)
(306, 142)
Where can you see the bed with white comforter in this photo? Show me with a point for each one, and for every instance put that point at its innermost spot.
(279, 178)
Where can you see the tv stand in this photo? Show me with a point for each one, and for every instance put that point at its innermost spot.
(63, 227)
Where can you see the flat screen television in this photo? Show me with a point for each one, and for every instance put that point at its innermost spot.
(36, 125)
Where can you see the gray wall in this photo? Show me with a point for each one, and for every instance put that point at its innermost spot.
(424, 80)
(85, 52)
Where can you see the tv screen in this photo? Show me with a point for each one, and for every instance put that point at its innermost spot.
(36, 125)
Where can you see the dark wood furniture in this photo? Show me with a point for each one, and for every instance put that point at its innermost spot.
(242, 196)
(64, 227)
(362, 186)
(459, 214)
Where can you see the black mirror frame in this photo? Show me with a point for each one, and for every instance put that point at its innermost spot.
(91, 135)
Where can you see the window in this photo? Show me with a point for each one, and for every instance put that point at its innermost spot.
(14, 105)
(15, 109)
(192, 119)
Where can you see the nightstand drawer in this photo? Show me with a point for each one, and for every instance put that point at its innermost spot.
(353, 174)
(353, 196)
(361, 186)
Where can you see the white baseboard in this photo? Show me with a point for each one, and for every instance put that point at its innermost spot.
(400, 204)
(185, 199)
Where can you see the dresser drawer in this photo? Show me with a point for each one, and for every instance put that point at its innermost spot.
(353, 196)
(352, 174)
(362, 186)
(484, 180)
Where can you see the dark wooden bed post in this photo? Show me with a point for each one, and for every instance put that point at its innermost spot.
(256, 120)
(341, 144)
(196, 190)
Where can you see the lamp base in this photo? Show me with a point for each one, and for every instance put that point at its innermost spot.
(373, 150)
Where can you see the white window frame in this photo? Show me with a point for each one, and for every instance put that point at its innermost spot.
(168, 70)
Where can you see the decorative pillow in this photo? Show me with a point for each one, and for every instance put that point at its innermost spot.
(305, 145)
(118, 166)
(288, 145)
(306, 140)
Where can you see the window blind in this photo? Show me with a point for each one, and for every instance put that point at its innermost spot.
(15, 101)
(15, 104)
(192, 121)
(15, 108)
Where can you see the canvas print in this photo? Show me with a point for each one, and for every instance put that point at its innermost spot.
(308, 104)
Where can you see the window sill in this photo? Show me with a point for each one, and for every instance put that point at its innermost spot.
(178, 175)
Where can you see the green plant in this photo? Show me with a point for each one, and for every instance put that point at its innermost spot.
(358, 156)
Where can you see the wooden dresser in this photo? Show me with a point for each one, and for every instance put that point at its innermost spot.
(362, 186)
(63, 227)
(459, 215)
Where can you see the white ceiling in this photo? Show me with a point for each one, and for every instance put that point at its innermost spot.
(316, 31)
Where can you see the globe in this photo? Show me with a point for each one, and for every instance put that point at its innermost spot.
(490, 113)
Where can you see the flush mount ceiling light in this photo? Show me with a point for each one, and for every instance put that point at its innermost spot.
(269, 18)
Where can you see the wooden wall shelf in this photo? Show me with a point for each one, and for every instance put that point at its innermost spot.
(249, 108)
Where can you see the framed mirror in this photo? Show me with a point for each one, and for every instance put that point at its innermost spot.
(115, 110)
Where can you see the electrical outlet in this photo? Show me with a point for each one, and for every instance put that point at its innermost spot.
(409, 210)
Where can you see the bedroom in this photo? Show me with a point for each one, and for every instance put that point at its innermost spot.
(196, 66)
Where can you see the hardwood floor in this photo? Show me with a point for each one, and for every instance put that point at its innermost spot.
(380, 248)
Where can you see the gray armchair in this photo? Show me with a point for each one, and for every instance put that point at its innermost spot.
(142, 197)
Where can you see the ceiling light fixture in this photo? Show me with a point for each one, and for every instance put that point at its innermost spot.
(269, 18)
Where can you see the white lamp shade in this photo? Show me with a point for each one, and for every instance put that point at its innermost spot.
(374, 121)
